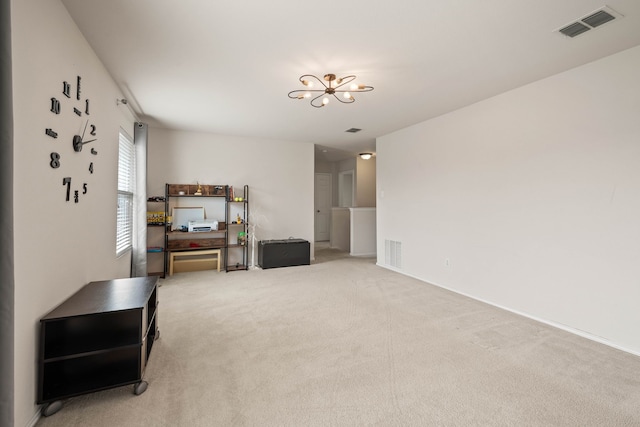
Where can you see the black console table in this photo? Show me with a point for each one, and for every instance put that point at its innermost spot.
(99, 338)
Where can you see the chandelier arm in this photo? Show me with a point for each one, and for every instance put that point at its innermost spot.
(321, 104)
(303, 91)
(317, 78)
(345, 101)
(344, 80)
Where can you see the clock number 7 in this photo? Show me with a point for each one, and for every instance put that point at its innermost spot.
(67, 181)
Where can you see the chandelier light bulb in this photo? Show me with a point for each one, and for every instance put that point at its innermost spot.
(348, 95)
(354, 86)
(307, 95)
(307, 83)
(325, 100)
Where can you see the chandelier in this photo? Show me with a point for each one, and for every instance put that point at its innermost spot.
(335, 86)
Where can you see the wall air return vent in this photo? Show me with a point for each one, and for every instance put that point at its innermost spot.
(593, 20)
(393, 253)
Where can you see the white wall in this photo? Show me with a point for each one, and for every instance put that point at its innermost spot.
(532, 196)
(362, 232)
(340, 229)
(59, 245)
(280, 176)
(323, 167)
(366, 182)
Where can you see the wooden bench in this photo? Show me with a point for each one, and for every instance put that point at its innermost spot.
(195, 259)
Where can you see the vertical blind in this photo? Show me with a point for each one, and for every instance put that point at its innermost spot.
(126, 190)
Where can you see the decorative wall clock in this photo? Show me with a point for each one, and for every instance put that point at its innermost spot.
(79, 112)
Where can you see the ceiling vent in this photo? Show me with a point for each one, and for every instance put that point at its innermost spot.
(598, 18)
(574, 29)
(353, 130)
(590, 21)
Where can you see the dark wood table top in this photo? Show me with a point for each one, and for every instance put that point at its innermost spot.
(106, 296)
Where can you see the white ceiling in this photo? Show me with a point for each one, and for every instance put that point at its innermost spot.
(227, 67)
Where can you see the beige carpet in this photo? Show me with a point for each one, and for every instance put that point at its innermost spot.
(346, 343)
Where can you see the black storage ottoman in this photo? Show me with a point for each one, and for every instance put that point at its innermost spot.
(283, 253)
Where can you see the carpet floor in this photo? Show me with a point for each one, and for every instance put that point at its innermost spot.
(344, 342)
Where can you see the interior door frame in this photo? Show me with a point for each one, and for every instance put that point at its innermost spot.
(346, 185)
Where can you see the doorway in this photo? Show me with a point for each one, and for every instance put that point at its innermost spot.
(346, 193)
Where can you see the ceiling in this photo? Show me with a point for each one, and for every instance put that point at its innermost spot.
(227, 67)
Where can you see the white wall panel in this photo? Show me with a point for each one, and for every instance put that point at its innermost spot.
(529, 200)
(59, 246)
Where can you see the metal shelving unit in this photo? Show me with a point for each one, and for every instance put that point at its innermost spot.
(236, 255)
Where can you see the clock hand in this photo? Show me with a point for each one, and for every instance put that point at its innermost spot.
(78, 143)
(85, 129)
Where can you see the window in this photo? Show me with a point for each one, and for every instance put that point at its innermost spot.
(126, 190)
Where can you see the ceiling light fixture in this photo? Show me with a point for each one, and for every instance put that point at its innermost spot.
(365, 156)
(332, 87)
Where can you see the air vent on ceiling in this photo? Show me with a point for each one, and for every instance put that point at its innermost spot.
(590, 21)
(353, 130)
(574, 29)
(598, 18)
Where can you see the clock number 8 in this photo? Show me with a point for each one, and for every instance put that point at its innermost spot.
(55, 160)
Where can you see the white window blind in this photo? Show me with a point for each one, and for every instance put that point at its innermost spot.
(126, 190)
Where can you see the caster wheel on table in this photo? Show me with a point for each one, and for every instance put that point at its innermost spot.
(140, 388)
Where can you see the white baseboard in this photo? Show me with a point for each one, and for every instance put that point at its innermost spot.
(364, 254)
(35, 418)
